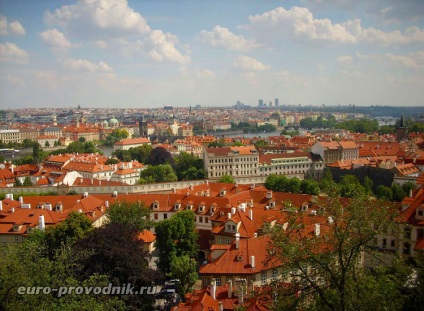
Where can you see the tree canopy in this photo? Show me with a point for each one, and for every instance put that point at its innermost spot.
(134, 215)
(159, 173)
(176, 237)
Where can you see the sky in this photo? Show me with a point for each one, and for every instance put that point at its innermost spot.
(152, 53)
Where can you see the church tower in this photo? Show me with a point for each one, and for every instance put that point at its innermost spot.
(401, 129)
(142, 126)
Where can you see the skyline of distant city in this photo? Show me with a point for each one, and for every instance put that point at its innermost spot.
(149, 54)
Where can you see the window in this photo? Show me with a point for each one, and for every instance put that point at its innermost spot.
(16, 238)
(3, 239)
(156, 216)
(219, 240)
(393, 243)
(200, 219)
(263, 278)
(405, 248)
(165, 216)
(384, 243)
(227, 241)
(218, 281)
(274, 275)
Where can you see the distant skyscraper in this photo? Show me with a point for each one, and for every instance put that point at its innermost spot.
(276, 102)
(270, 103)
(238, 104)
(261, 102)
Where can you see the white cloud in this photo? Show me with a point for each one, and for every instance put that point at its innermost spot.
(345, 59)
(114, 21)
(205, 74)
(86, 65)
(412, 60)
(299, 23)
(101, 44)
(14, 28)
(249, 63)
(11, 53)
(161, 47)
(55, 39)
(13, 80)
(221, 36)
(112, 16)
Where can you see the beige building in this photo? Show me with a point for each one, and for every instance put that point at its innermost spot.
(233, 161)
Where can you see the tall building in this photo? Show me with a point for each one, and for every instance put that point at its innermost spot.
(276, 102)
(142, 125)
(401, 129)
(261, 102)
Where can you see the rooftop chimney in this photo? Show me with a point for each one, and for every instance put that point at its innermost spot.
(229, 216)
(1, 205)
(21, 199)
(252, 261)
(237, 240)
(221, 306)
(410, 193)
(213, 290)
(41, 224)
(107, 203)
(230, 288)
(269, 195)
(233, 210)
(317, 229)
(251, 214)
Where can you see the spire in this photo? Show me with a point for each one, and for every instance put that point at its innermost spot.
(402, 121)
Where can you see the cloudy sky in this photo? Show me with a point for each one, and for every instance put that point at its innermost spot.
(151, 53)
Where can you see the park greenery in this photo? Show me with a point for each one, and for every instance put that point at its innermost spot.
(348, 186)
(253, 127)
(323, 267)
(357, 126)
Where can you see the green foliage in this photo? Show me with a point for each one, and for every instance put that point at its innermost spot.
(308, 186)
(282, 183)
(37, 153)
(349, 186)
(116, 136)
(217, 143)
(159, 173)
(189, 167)
(320, 122)
(140, 153)
(160, 156)
(387, 129)
(359, 126)
(327, 181)
(184, 269)
(416, 128)
(112, 161)
(116, 251)
(291, 133)
(134, 215)
(324, 267)
(384, 193)
(226, 179)
(176, 237)
(81, 147)
(398, 192)
(267, 128)
(408, 186)
(261, 143)
(73, 228)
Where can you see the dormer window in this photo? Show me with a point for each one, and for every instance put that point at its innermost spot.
(239, 257)
(201, 208)
(212, 210)
(16, 227)
(156, 204)
(304, 207)
(177, 206)
(419, 214)
(272, 204)
(222, 192)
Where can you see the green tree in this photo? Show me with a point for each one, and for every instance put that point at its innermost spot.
(368, 185)
(135, 215)
(184, 269)
(159, 173)
(308, 186)
(46, 144)
(37, 153)
(294, 185)
(115, 136)
(160, 156)
(73, 228)
(324, 267)
(408, 186)
(187, 166)
(261, 143)
(176, 237)
(226, 179)
(112, 161)
(349, 186)
(384, 193)
(217, 143)
(27, 181)
(398, 192)
(327, 181)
